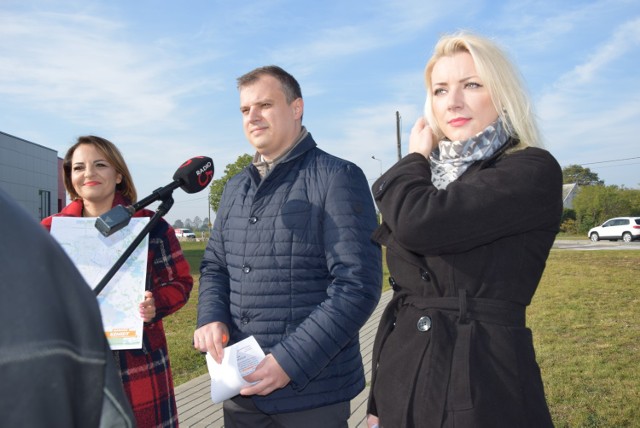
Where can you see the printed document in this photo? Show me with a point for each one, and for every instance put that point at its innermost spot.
(94, 255)
(239, 359)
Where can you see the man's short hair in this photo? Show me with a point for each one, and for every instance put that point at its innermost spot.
(290, 85)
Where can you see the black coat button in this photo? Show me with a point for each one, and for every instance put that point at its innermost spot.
(393, 283)
(424, 323)
(244, 320)
(425, 276)
(253, 220)
(246, 268)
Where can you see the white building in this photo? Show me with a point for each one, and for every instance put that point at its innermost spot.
(569, 191)
(32, 175)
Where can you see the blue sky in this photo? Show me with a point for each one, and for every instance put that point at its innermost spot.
(158, 77)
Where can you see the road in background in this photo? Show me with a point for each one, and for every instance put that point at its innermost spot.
(586, 244)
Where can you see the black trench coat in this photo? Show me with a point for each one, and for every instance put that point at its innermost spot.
(452, 349)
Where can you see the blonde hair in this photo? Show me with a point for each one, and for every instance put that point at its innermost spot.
(114, 157)
(501, 79)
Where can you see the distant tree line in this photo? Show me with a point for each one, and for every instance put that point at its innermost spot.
(215, 193)
(197, 224)
(595, 202)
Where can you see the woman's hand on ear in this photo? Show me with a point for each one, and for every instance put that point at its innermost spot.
(422, 139)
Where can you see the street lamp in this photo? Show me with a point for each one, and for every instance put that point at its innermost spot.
(375, 158)
(378, 214)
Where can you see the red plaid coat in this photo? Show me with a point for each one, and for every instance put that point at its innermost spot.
(146, 373)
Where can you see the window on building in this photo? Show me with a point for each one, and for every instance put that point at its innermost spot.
(45, 203)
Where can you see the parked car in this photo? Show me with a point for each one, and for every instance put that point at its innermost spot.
(185, 233)
(625, 228)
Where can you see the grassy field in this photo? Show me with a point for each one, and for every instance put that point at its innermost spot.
(186, 362)
(585, 320)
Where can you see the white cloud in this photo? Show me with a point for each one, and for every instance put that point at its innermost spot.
(593, 87)
(624, 40)
(87, 70)
(590, 113)
(361, 29)
(548, 26)
(325, 46)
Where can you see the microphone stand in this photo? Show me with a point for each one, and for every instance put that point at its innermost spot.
(163, 208)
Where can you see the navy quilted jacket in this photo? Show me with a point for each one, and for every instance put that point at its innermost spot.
(290, 261)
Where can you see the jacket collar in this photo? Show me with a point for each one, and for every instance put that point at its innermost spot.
(74, 209)
(306, 144)
(511, 142)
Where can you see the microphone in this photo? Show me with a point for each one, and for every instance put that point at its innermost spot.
(192, 176)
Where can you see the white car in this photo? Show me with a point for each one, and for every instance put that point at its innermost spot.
(185, 233)
(625, 228)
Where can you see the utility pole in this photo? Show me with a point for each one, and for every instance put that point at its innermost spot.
(209, 219)
(398, 133)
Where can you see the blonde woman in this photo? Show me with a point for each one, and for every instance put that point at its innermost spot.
(470, 215)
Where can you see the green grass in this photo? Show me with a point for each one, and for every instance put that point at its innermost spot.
(186, 362)
(193, 252)
(585, 321)
(572, 236)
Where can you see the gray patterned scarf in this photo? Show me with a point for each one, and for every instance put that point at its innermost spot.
(452, 158)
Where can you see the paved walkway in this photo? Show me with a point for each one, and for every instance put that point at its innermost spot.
(195, 408)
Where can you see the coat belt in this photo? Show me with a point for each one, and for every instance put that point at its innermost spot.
(492, 311)
(454, 385)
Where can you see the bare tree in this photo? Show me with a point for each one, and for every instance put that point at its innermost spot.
(197, 222)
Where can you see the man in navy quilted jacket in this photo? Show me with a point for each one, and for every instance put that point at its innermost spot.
(290, 262)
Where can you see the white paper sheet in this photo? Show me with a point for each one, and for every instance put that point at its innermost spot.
(239, 359)
(94, 255)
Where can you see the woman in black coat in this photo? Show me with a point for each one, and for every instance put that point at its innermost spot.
(469, 218)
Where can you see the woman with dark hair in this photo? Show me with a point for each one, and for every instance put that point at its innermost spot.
(97, 179)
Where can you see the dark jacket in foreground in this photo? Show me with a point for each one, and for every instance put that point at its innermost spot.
(56, 368)
(290, 261)
(469, 258)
